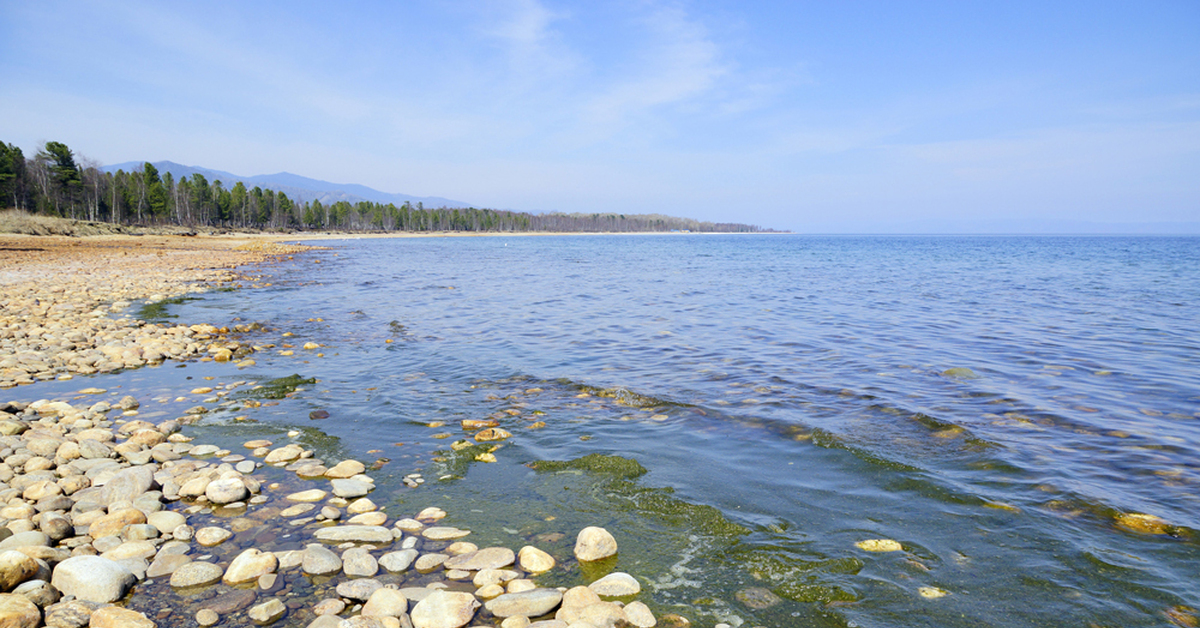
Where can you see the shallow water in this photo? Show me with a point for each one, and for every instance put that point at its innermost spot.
(787, 398)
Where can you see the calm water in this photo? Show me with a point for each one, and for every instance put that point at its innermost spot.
(787, 396)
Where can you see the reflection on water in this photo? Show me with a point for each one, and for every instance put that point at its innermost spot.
(787, 397)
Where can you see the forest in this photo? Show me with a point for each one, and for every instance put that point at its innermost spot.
(58, 182)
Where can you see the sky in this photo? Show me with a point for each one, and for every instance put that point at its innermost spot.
(868, 116)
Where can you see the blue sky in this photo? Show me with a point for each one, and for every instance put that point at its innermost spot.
(832, 116)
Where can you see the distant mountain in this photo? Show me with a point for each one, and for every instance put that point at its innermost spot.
(297, 188)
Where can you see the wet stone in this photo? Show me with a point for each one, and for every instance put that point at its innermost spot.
(318, 560)
(528, 604)
(594, 543)
(617, 584)
(230, 602)
(398, 561)
(360, 589)
(351, 488)
(757, 598)
(197, 573)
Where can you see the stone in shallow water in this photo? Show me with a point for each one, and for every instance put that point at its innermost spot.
(757, 598)
(879, 545)
(320, 561)
(385, 603)
(249, 566)
(212, 536)
(117, 617)
(311, 495)
(1142, 523)
(398, 561)
(639, 615)
(360, 534)
(488, 558)
(267, 612)
(197, 573)
(351, 488)
(357, 561)
(528, 603)
(360, 589)
(93, 578)
(444, 609)
(594, 543)
(932, 593)
(535, 560)
(230, 602)
(616, 584)
(443, 533)
(226, 491)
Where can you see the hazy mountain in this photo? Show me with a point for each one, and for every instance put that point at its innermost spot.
(297, 188)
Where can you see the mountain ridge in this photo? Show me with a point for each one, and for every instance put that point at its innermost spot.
(298, 187)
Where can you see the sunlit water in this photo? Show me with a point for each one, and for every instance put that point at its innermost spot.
(787, 396)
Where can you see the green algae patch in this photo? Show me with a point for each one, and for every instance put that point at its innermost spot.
(600, 464)
(278, 388)
(157, 311)
(960, 372)
(799, 579)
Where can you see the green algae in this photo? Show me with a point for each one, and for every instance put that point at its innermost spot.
(157, 311)
(277, 388)
(601, 464)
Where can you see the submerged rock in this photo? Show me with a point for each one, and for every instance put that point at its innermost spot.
(594, 543)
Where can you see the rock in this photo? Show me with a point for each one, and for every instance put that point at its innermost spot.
(93, 578)
(442, 533)
(326, 621)
(1133, 521)
(211, 536)
(195, 574)
(320, 561)
(286, 453)
(226, 491)
(357, 562)
(360, 506)
(15, 568)
(70, 614)
(385, 603)
(486, 577)
(127, 485)
(360, 590)
(40, 592)
(18, 612)
(117, 617)
(616, 584)
(879, 545)
(114, 522)
(639, 615)
(249, 565)
(267, 612)
(757, 598)
(230, 602)
(535, 560)
(311, 495)
(398, 561)
(350, 489)
(206, 617)
(166, 520)
(166, 564)
(528, 603)
(359, 534)
(245, 467)
(444, 609)
(368, 519)
(594, 543)
(25, 539)
(429, 562)
(488, 558)
(578, 597)
(131, 549)
(602, 615)
(346, 469)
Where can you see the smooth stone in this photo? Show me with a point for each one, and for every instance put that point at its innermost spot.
(311, 495)
(443, 533)
(351, 488)
(520, 585)
(757, 598)
(357, 561)
(230, 602)
(386, 603)
(211, 536)
(639, 615)
(117, 617)
(166, 564)
(429, 562)
(360, 506)
(329, 606)
(40, 592)
(195, 574)
(605, 614)
(346, 469)
(528, 603)
(267, 612)
(578, 597)
(594, 543)
(25, 539)
(93, 578)
(249, 566)
(15, 568)
(359, 534)
(368, 519)
(360, 589)
(226, 491)
(131, 549)
(166, 520)
(616, 584)
(246, 467)
(320, 561)
(487, 577)
(444, 609)
(207, 617)
(326, 621)
(534, 560)
(127, 485)
(487, 558)
(114, 522)
(398, 561)
(297, 509)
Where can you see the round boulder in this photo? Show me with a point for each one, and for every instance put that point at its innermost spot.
(93, 578)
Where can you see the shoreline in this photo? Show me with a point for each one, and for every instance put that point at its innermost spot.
(111, 520)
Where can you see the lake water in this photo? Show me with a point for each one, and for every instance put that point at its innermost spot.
(787, 397)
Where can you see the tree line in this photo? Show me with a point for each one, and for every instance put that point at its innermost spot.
(58, 182)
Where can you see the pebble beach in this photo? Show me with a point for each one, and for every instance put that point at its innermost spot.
(108, 519)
